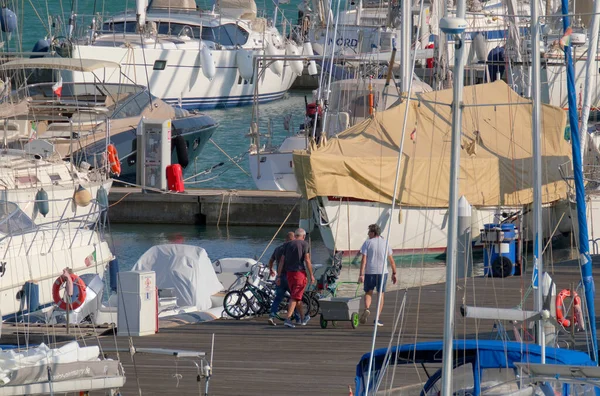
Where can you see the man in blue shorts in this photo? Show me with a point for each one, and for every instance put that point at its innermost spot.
(373, 267)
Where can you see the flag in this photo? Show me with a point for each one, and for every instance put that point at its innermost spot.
(57, 88)
(413, 135)
(565, 40)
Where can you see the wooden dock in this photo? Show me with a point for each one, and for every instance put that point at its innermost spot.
(203, 206)
(253, 358)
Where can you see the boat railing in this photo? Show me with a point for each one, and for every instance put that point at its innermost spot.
(591, 176)
(92, 220)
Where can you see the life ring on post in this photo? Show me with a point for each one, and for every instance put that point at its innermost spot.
(560, 308)
(77, 282)
(113, 159)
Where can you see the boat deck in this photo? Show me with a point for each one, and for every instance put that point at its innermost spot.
(253, 358)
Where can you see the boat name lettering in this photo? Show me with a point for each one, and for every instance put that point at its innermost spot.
(346, 42)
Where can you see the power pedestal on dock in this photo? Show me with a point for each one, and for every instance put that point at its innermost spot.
(499, 249)
(137, 303)
(153, 153)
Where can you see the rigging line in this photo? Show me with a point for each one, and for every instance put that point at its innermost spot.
(47, 29)
(229, 157)
(394, 198)
(277, 232)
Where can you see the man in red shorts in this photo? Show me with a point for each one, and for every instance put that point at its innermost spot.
(296, 260)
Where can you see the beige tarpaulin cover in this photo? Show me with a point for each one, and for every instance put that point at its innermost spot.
(496, 164)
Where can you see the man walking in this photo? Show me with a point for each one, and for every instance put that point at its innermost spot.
(296, 262)
(373, 267)
(282, 286)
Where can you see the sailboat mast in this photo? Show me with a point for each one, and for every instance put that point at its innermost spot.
(590, 70)
(585, 260)
(405, 44)
(536, 97)
(451, 250)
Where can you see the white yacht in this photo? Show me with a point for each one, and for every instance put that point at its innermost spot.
(38, 254)
(194, 59)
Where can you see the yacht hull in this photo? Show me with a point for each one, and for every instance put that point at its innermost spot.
(182, 82)
(343, 224)
(50, 251)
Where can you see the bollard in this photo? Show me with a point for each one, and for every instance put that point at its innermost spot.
(464, 258)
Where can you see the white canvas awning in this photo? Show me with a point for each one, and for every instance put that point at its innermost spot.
(79, 65)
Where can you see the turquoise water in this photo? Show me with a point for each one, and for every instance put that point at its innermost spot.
(234, 122)
(128, 245)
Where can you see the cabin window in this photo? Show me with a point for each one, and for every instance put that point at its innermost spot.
(120, 27)
(55, 177)
(29, 179)
(17, 223)
(160, 65)
(133, 107)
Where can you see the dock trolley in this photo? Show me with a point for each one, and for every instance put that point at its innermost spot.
(340, 309)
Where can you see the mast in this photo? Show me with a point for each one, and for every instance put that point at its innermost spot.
(536, 97)
(405, 36)
(585, 260)
(590, 70)
(452, 26)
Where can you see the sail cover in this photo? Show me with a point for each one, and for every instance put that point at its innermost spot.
(496, 146)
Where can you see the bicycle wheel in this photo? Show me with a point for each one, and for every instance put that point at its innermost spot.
(314, 309)
(236, 304)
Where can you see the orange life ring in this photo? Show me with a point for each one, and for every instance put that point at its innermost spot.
(77, 282)
(113, 159)
(560, 308)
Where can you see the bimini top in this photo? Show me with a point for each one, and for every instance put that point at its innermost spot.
(496, 152)
(79, 65)
(488, 354)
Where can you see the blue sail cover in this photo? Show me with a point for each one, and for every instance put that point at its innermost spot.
(485, 354)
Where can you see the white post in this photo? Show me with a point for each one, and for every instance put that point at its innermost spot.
(459, 71)
(538, 267)
(464, 259)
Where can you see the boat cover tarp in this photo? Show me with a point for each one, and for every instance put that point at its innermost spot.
(496, 156)
(184, 268)
(489, 354)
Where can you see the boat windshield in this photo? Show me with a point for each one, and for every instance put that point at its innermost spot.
(13, 221)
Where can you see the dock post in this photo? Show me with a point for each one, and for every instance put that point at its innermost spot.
(464, 257)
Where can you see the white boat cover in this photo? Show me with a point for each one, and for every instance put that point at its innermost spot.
(496, 152)
(184, 268)
(14, 362)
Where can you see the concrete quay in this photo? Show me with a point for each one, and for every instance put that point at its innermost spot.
(203, 206)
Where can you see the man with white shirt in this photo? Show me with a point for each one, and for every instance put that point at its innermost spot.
(373, 267)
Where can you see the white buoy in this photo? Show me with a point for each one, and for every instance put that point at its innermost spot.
(208, 64)
(312, 66)
(295, 65)
(464, 259)
(276, 66)
(243, 58)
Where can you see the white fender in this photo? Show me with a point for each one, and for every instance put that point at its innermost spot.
(243, 58)
(276, 66)
(296, 65)
(312, 66)
(208, 64)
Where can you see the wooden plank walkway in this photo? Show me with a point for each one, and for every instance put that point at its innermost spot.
(253, 358)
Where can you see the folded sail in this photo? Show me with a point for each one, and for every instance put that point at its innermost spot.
(496, 163)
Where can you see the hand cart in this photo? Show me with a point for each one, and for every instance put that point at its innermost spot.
(336, 309)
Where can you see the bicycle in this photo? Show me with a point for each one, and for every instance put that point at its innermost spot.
(258, 299)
